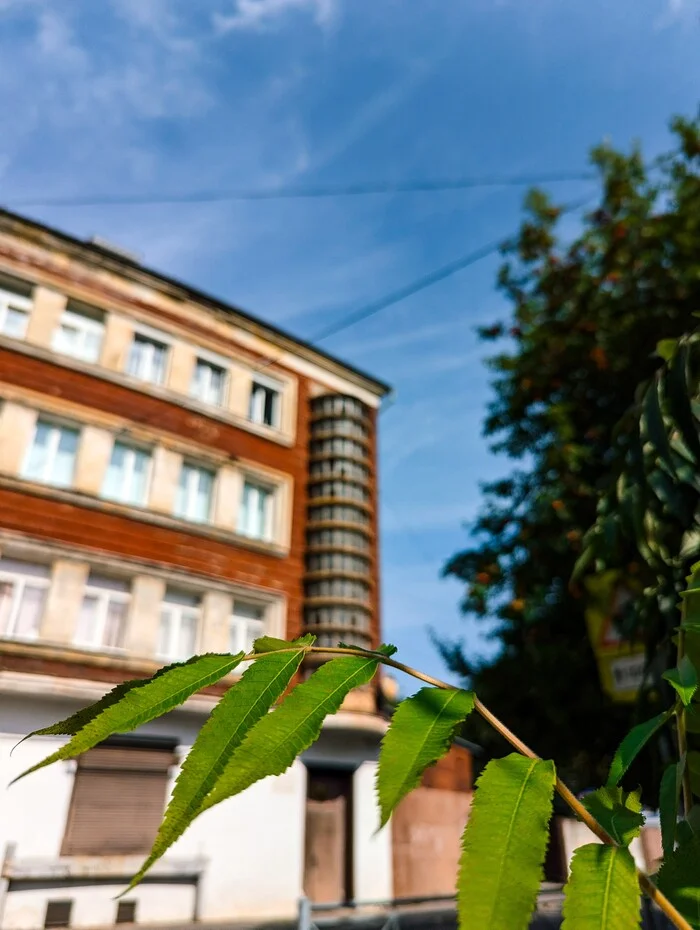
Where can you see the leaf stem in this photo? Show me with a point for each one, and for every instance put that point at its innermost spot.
(645, 883)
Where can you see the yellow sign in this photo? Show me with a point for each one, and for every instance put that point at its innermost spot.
(620, 662)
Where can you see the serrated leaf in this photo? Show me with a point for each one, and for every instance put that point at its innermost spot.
(679, 880)
(665, 348)
(238, 710)
(276, 740)
(73, 724)
(265, 644)
(420, 733)
(602, 892)
(669, 793)
(386, 649)
(504, 844)
(619, 813)
(683, 679)
(154, 697)
(632, 744)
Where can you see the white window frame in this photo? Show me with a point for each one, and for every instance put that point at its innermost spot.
(104, 596)
(192, 489)
(178, 611)
(20, 582)
(256, 407)
(270, 516)
(154, 337)
(239, 626)
(11, 301)
(130, 462)
(52, 451)
(211, 363)
(84, 324)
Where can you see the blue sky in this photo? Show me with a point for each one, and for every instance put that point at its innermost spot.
(139, 96)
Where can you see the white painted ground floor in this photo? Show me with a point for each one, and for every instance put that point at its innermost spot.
(64, 830)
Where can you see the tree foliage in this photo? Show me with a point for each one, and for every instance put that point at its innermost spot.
(588, 316)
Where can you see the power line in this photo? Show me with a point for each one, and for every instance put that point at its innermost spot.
(301, 192)
(419, 284)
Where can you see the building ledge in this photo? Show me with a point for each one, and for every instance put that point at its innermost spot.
(120, 868)
(53, 686)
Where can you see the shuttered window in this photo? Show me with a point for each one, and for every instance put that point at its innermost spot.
(118, 801)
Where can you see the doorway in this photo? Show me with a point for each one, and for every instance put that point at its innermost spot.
(328, 836)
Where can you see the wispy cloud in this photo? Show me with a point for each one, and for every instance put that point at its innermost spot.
(263, 14)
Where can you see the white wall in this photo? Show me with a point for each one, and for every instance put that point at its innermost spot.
(372, 850)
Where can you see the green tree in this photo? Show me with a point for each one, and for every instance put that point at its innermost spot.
(587, 318)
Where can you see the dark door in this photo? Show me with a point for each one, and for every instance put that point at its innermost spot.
(328, 837)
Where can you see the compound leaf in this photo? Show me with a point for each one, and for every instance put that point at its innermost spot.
(271, 746)
(602, 892)
(504, 844)
(132, 704)
(420, 733)
(238, 710)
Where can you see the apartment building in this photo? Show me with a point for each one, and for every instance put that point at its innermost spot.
(176, 477)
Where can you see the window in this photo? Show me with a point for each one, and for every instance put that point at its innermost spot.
(147, 358)
(194, 493)
(127, 475)
(79, 334)
(118, 799)
(208, 382)
(126, 912)
(179, 625)
(247, 624)
(23, 589)
(51, 456)
(264, 405)
(255, 518)
(58, 914)
(103, 613)
(14, 311)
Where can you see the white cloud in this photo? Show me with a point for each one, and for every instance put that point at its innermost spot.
(259, 14)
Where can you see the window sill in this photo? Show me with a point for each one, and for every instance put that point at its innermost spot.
(143, 516)
(146, 387)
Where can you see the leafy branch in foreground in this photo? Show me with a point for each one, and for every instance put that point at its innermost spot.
(259, 727)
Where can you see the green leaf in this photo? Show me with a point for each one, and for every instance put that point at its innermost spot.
(679, 880)
(602, 892)
(137, 705)
(278, 738)
(680, 388)
(238, 710)
(689, 826)
(619, 813)
(272, 644)
(386, 649)
(504, 844)
(684, 679)
(420, 733)
(653, 424)
(665, 348)
(632, 744)
(669, 793)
